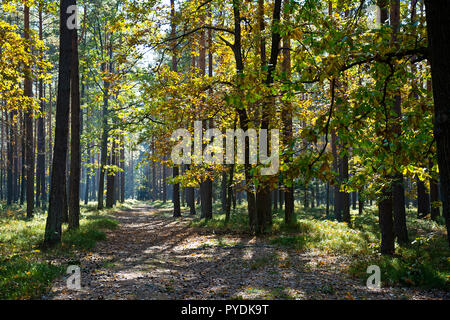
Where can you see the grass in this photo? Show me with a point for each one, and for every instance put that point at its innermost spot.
(424, 263)
(26, 272)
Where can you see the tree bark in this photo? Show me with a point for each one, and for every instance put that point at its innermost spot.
(122, 173)
(385, 209)
(110, 179)
(386, 223)
(29, 145)
(57, 186)
(206, 183)
(423, 200)
(263, 194)
(286, 119)
(438, 24)
(398, 189)
(105, 134)
(40, 165)
(75, 131)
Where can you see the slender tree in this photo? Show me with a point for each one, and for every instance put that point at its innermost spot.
(75, 149)
(57, 184)
(29, 145)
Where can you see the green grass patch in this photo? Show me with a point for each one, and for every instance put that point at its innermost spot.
(26, 272)
(22, 278)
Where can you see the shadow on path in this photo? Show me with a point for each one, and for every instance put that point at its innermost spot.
(152, 256)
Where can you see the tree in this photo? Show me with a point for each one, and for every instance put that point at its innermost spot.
(57, 184)
(398, 190)
(286, 116)
(29, 141)
(40, 165)
(176, 169)
(385, 205)
(438, 24)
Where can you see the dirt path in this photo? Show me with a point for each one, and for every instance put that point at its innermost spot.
(152, 256)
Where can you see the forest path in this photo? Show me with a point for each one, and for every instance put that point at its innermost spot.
(153, 256)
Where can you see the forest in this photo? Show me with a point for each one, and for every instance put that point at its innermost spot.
(237, 149)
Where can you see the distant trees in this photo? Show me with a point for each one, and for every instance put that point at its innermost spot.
(343, 110)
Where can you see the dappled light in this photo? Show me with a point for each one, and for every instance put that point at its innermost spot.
(224, 150)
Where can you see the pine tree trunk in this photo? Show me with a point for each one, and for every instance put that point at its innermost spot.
(263, 193)
(57, 187)
(110, 179)
(336, 193)
(386, 223)
(88, 176)
(360, 202)
(122, 173)
(438, 24)
(105, 134)
(10, 151)
(385, 206)
(398, 189)
(327, 210)
(29, 140)
(286, 119)
(223, 191)
(206, 184)
(434, 195)
(75, 151)
(40, 165)
(423, 200)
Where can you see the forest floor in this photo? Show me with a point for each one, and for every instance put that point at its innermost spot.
(153, 256)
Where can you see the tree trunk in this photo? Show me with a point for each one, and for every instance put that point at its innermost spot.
(423, 200)
(229, 198)
(386, 223)
(398, 189)
(10, 151)
(286, 119)
(105, 134)
(110, 179)
(223, 191)
(263, 193)
(88, 176)
(385, 206)
(40, 165)
(29, 145)
(434, 195)
(438, 24)
(206, 183)
(57, 187)
(75, 131)
(122, 173)
(327, 210)
(360, 202)
(336, 193)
